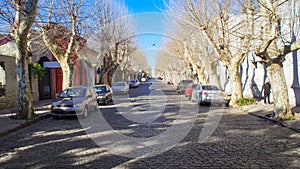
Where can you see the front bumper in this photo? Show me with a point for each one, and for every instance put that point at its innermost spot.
(101, 100)
(66, 111)
(119, 92)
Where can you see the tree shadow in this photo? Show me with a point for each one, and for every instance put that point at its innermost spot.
(256, 91)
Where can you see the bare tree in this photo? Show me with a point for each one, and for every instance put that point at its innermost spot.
(219, 26)
(114, 36)
(183, 45)
(274, 46)
(61, 26)
(25, 16)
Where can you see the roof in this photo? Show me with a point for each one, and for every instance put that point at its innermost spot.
(5, 39)
(62, 36)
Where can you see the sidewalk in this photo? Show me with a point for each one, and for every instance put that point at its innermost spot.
(262, 110)
(9, 125)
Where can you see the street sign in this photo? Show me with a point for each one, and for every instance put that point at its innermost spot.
(51, 65)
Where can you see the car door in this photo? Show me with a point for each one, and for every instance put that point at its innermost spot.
(195, 93)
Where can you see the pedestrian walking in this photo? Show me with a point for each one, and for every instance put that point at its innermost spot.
(267, 92)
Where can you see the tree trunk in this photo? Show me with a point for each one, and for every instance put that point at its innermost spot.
(67, 70)
(201, 75)
(282, 108)
(213, 77)
(25, 15)
(235, 83)
(25, 105)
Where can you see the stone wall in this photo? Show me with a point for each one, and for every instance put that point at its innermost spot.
(10, 99)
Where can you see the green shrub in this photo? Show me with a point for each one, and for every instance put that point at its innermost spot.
(37, 69)
(245, 101)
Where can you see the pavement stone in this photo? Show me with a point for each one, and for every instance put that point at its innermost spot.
(10, 125)
(240, 141)
(265, 111)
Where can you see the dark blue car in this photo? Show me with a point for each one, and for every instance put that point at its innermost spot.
(134, 83)
(104, 93)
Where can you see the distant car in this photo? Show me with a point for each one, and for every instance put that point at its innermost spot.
(182, 85)
(134, 83)
(75, 101)
(104, 93)
(207, 94)
(120, 87)
(189, 90)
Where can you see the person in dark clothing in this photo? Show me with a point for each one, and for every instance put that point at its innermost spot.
(267, 91)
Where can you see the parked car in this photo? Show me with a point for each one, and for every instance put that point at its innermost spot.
(182, 85)
(134, 83)
(207, 94)
(120, 87)
(189, 90)
(75, 101)
(104, 93)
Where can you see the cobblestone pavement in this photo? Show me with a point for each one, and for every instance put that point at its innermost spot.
(239, 141)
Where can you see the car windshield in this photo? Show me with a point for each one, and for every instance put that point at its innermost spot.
(119, 84)
(73, 92)
(187, 81)
(210, 88)
(100, 89)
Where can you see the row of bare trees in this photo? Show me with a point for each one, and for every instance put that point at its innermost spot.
(70, 30)
(227, 31)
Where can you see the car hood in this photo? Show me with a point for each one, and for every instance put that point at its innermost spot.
(101, 93)
(67, 101)
(118, 87)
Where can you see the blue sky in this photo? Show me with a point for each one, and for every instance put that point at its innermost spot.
(150, 27)
(140, 6)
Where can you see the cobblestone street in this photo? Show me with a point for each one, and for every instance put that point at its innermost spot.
(239, 141)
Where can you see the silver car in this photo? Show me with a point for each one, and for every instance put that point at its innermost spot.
(207, 94)
(75, 101)
(120, 87)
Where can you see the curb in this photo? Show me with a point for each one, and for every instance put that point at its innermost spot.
(26, 124)
(280, 123)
